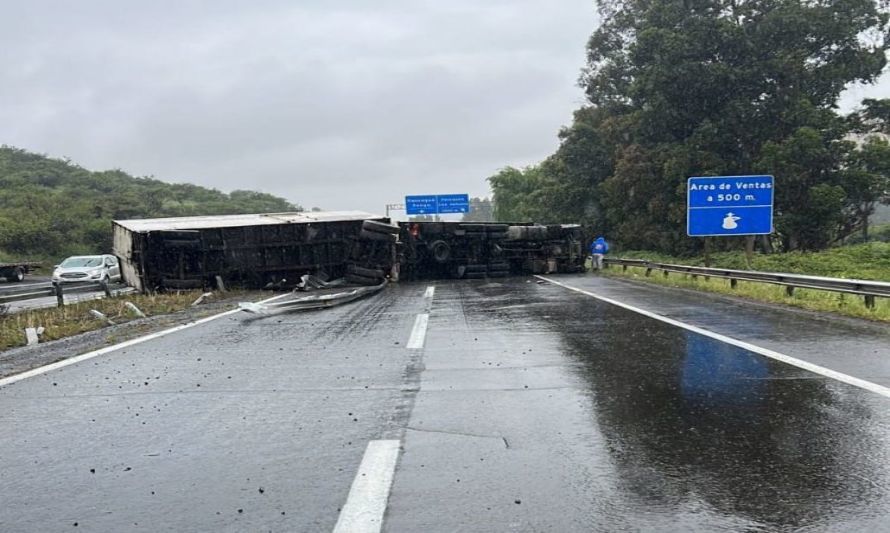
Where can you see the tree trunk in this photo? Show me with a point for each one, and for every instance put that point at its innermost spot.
(865, 228)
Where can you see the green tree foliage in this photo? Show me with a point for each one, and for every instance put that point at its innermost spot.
(680, 88)
(515, 190)
(481, 210)
(50, 208)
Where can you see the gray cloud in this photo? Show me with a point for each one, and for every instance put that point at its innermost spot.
(343, 105)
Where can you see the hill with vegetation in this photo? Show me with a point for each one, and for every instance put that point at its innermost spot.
(51, 208)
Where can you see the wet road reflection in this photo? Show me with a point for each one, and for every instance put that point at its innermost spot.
(712, 435)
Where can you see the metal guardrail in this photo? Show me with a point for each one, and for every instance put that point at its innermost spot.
(18, 294)
(868, 289)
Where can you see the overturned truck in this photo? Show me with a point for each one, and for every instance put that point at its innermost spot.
(254, 250)
(276, 250)
(431, 250)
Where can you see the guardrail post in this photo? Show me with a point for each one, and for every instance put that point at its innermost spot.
(104, 285)
(870, 301)
(789, 290)
(733, 283)
(60, 298)
(624, 268)
(648, 271)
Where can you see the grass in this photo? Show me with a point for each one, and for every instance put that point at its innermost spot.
(861, 261)
(864, 261)
(75, 318)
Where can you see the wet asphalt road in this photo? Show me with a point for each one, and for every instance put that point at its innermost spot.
(530, 408)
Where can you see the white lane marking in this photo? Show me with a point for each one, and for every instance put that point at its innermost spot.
(89, 355)
(430, 291)
(793, 361)
(418, 332)
(366, 503)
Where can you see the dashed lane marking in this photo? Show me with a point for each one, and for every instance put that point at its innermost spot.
(418, 332)
(368, 496)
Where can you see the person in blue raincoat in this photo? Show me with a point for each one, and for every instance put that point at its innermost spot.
(599, 248)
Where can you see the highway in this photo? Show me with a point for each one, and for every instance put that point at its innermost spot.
(582, 404)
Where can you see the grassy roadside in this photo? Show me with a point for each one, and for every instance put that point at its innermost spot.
(861, 261)
(62, 322)
(864, 261)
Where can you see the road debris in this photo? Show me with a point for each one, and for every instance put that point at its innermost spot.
(310, 302)
(33, 335)
(201, 299)
(132, 307)
(101, 316)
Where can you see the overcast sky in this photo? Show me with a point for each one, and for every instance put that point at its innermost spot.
(342, 105)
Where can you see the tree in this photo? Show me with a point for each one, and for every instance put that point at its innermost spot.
(867, 182)
(681, 88)
(481, 210)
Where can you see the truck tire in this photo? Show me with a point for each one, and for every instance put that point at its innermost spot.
(441, 251)
(472, 227)
(362, 280)
(366, 272)
(377, 236)
(379, 227)
(16, 274)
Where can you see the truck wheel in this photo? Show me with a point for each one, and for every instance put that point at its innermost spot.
(441, 251)
(17, 274)
(362, 280)
(375, 273)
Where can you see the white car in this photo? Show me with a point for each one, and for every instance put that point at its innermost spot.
(87, 268)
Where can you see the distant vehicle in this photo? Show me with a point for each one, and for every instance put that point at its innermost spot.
(87, 268)
(16, 271)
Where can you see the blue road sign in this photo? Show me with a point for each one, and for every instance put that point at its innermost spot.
(421, 205)
(437, 204)
(729, 205)
(454, 203)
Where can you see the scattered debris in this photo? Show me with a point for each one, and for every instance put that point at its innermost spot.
(309, 282)
(132, 307)
(33, 335)
(101, 316)
(310, 302)
(201, 298)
